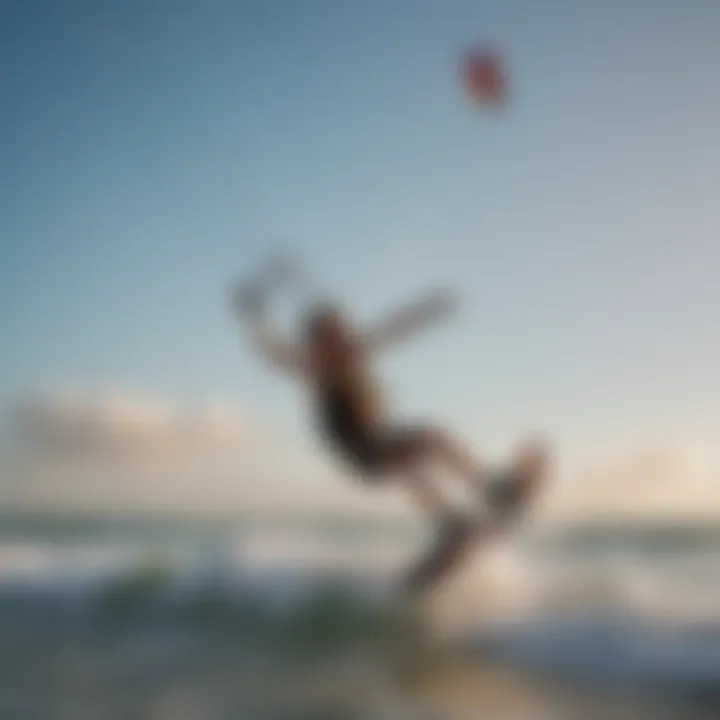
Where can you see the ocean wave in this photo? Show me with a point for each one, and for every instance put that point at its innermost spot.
(617, 617)
(627, 650)
(306, 617)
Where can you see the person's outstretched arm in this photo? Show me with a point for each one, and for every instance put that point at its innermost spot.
(269, 344)
(409, 320)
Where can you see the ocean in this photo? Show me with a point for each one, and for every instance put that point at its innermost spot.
(266, 617)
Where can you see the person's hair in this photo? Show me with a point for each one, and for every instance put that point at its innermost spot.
(321, 316)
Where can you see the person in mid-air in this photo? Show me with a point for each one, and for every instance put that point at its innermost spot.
(333, 358)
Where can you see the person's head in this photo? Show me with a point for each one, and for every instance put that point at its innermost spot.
(326, 327)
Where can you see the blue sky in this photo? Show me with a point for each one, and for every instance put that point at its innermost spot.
(150, 151)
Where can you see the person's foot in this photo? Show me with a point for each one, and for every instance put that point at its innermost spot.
(510, 492)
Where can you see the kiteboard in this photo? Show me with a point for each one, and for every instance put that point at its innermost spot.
(510, 495)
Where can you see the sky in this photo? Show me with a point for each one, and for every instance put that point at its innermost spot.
(150, 152)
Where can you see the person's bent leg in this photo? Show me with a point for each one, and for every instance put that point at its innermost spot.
(416, 449)
(425, 493)
(454, 456)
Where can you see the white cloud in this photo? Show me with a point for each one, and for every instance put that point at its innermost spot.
(673, 478)
(115, 425)
(120, 451)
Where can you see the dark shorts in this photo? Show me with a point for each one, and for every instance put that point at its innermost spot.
(385, 449)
